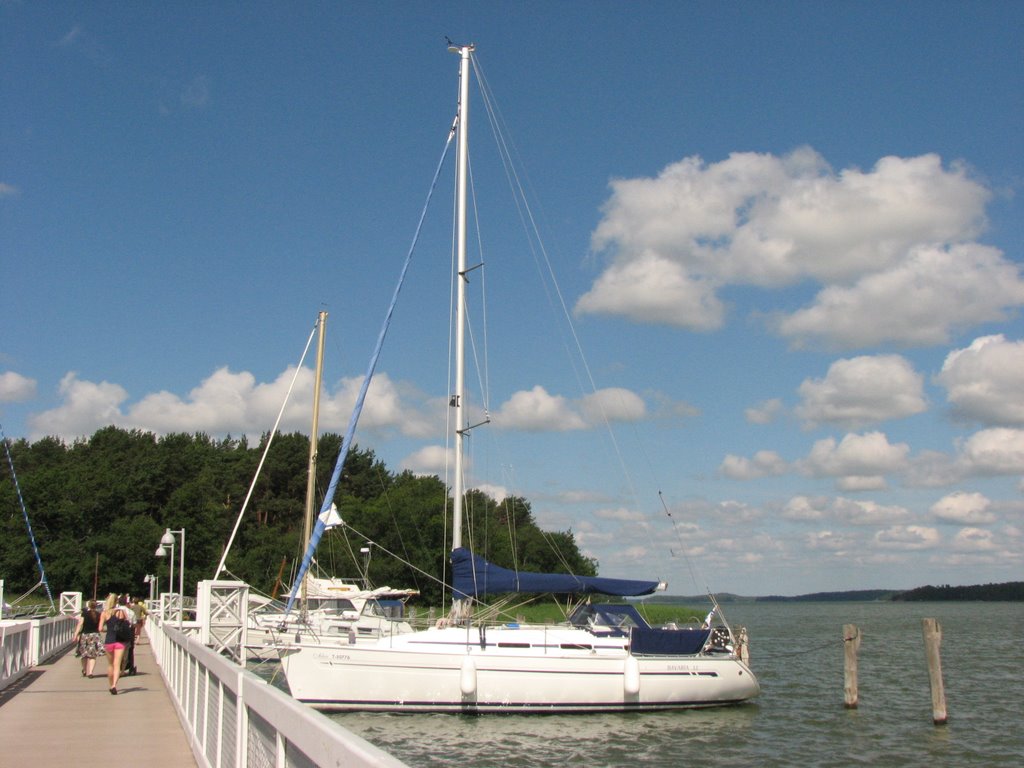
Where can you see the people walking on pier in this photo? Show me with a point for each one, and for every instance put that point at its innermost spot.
(139, 609)
(116, 626)
(124, 602)
(90, 641)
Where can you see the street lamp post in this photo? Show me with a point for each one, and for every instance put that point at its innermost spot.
(154, 585)
(167, 540)
(161, 552)
(365, 552)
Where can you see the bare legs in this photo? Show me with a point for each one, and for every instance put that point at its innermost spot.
(114, 668)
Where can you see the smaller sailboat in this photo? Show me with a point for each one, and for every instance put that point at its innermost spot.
(331, 609)
(336, 611)
(603, 658)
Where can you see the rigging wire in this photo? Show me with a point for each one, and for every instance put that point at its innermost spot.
(394, 518)
(545, 268)
(24, 511)
(266, 451)
(346, 442)
(682, 544)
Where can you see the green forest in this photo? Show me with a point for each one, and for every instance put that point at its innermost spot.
(99, 506)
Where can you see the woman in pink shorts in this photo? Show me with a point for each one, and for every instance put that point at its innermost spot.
(110, 619)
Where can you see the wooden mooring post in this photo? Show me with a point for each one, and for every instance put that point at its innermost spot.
(932, 639)
(851, 645)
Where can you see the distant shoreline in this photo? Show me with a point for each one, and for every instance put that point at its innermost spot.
(1010, 591)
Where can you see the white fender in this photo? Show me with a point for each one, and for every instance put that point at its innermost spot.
(631, 676)
(467, 676)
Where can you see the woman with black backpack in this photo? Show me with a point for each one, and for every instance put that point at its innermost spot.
(117, 628)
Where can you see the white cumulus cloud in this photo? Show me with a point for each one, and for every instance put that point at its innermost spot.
(429, 460)
(764, 412)
(86, 406)
(652, 289)
(537, 410)
(908, 537)
(996, 451)
(985, 381)
(839, 543)
(891, 247)
(763, 464)
(974, 540)
(15, 388)
(857, 460)
(964, 508)
(862, 390)
(857, 512)
(613, 404)
(226, 402)
(920, 301)
(805, 508)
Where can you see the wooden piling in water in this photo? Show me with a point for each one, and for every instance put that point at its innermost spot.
(932, 639)
(851, 645)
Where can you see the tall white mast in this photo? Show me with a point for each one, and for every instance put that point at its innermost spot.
(458, 398)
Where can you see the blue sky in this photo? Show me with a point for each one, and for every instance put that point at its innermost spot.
(789, 236)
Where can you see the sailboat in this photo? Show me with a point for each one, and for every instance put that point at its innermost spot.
(331, 608)
(604, 658)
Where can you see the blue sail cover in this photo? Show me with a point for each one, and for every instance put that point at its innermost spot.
(473, 576)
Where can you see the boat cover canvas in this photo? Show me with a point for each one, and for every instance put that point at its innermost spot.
(473, 576)
(667, 642)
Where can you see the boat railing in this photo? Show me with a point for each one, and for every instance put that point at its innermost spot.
(232, 717)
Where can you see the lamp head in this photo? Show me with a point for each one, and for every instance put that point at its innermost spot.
(167, 539)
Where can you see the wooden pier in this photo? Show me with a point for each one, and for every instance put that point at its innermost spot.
(54, 716)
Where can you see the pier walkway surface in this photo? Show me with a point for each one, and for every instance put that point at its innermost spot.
(53, 716)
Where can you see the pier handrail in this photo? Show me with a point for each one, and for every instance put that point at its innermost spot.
(27, 642)
(234, 719)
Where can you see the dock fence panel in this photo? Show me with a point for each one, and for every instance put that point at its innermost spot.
(262, 743)
(16, 649)
(234, 719)
(230, 753)
(28, 642)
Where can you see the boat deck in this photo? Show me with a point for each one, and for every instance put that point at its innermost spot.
(54, 716)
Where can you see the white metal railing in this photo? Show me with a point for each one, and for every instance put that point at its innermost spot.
(15, 650)
(52, 635)
(234, 719)
(25, 643)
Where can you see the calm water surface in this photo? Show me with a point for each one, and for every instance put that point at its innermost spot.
(799, 719)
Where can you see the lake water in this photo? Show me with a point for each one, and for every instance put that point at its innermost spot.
(799, 719)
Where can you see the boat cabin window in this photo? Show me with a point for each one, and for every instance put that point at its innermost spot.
(332, 604)
(607, 616)
(393, 609)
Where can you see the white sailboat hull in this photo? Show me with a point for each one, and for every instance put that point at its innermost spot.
(509, 670)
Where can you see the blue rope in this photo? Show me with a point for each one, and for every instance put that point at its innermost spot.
(318, 529)
(24, 511)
